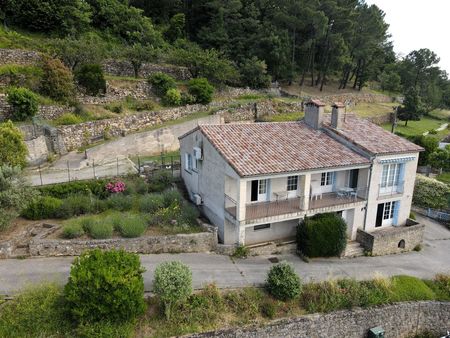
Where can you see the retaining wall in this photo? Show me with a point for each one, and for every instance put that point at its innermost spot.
(201, 242)
(19, 56)
(125, 68)
(387, 241)
(399, 320)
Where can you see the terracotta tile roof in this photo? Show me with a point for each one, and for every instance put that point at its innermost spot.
(268, 148)
(316, 102)
(372, 138)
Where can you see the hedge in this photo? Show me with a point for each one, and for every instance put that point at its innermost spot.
(322, 235)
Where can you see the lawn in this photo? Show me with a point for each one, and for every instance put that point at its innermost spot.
(419, 127)
(37, 312)
(372, 109)
(166, 158)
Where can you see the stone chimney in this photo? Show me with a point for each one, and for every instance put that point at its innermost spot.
(314, 112)
(337, 115)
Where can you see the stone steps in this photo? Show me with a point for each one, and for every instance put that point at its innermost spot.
(353, 249)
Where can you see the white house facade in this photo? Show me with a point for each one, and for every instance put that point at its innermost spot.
(256, 181)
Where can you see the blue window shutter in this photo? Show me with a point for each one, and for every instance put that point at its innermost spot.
(269, 188)
(333, 180)
(396, 212)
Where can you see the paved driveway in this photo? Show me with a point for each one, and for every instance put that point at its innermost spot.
(206, 268)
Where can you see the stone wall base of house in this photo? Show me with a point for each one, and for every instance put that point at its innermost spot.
(392, 240)
(398, 320)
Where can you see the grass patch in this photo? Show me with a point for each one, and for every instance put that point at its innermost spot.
(443, 114)
(444, 177)
(419, 127)
(166, 158)
(372, 109)
(406, 288)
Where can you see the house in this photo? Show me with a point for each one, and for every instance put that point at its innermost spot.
(255, 181)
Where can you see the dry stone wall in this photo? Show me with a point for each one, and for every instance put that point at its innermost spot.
(125, 68)
(351, 98)
(399, 320)
(19, 57)
(201, 242)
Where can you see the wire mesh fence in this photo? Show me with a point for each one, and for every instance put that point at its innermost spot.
(114, 167)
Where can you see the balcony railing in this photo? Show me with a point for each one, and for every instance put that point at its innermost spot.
(340, 196)
(289, 206)
(387, 191)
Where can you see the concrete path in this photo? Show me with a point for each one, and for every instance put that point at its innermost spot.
(441, 128)
(228, 273)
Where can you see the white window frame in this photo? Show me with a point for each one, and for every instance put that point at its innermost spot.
(390, 177)
(326, 179)
(292, 183)
(188, 162)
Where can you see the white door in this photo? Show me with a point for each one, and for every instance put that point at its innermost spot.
(388, 213)
(292, 186)
(262, 190)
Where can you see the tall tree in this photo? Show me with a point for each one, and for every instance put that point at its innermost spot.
(412, 108)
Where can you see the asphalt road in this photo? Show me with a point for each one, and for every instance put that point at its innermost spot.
(228, 273)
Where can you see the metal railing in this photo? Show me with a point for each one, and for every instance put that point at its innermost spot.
(273, 208)
(340, 196)
(384, 190)
(230, 206)
(438, 215)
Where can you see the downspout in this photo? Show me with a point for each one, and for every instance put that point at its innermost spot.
(372, 159)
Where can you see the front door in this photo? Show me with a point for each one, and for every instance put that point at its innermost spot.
(259, 191)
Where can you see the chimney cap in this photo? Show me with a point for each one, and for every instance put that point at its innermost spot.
(316, 103)
(338, 105)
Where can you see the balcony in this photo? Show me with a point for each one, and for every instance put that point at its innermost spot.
(385, 191)
(292, 207)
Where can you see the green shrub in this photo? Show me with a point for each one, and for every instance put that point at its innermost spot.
(116, 108)
(171, 197)
(98, 229)
(75, 205)
(105, 286)
(160, 181)
(120, 202)
(430, 193)
(282, 282)
(91, 77)
(443, 283)
(145, 105)
(161, 83)
(188, 216)
(151, 202)
(172, 284)
(269, 308)
(42, 208)
(172, 97)
(67, 119)
(13, 149)
(130, 226)
(24, 103)
(241, 251)
(21, 76)
(57, 80)
(407, 288)
(322, 235)
(201, 90)
(72, 230)
(63, 190)
(35, 312)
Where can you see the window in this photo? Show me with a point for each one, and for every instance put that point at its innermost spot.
(391, 175)
(389, 208)
(327, 178)
(292, 183)
(261, 227)
(188, 162)
(262, 187)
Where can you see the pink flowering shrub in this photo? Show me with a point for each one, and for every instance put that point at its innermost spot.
(115, 187)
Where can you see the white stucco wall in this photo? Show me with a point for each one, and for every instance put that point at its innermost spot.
(404, 198)
(277, 231)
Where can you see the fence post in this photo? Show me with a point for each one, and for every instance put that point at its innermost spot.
(93, 167)
(68, 171)
(40, 174)
(171, 165)
(139, 165)
(162, 161)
